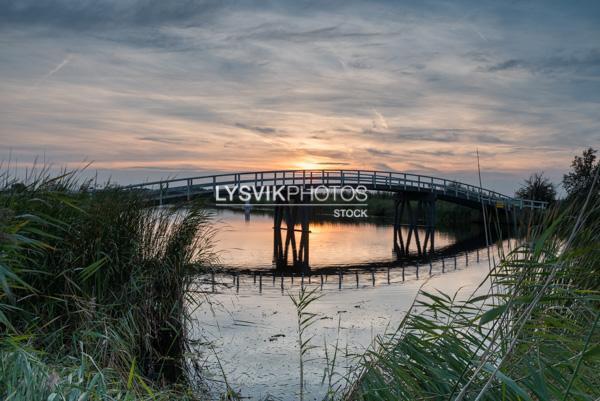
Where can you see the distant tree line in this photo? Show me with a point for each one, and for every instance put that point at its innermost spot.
(578, 180)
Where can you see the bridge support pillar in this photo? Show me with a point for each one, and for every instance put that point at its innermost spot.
(291, 240)
(419, 209)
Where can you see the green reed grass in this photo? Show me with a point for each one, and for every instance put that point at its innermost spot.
(305, 319)
(535, 337)
(93, 291)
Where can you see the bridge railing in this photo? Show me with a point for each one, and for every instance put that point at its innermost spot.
(379, 180)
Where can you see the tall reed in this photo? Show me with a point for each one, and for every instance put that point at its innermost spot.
(305, 319)
(535, 337)
(93, 289)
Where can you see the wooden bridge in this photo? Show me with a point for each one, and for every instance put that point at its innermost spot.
(452, 191)
(414, 205)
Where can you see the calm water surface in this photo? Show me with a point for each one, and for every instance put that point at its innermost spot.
(248, 244)
(251, 321)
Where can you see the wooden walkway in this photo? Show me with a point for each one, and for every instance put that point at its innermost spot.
(165, 191)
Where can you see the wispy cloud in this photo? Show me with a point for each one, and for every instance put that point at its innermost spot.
(58, 67)
(260, 130)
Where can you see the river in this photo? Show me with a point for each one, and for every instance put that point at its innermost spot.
(249, 319)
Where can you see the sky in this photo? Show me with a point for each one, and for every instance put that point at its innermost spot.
(147, 89)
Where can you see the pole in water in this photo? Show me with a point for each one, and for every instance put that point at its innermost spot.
(212, 280)
(356, 279)
(454, 262)
(254, 276)
(339, 279)
(281, 281)
(274, 278)
(485, 226)
(373, 277)
(430, 267)
(321, 280)
(467, 258)
(302, 281)
(388, 275)
(443, 265)
(417, 270)
(260, 283)
(237, 283)
(477, 255)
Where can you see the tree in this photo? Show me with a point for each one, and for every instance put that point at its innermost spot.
(537, 187)
(581, 176)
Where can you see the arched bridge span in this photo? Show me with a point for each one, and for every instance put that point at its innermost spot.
(449, 190)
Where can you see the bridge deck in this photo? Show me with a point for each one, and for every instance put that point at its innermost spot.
(449, 190)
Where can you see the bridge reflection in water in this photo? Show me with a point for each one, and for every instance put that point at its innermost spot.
(454, 257)
(338, 246)
(413, 233)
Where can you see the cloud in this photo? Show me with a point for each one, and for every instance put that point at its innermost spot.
(575, 62)
(252, 85)
(169, 139)
(91, 14)
(270, 32)
(260, 130)
(379, 152)
(333, 163)
(379, 121)
(506, 65)
(442, 135)
(383, 167)
(58, 67)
